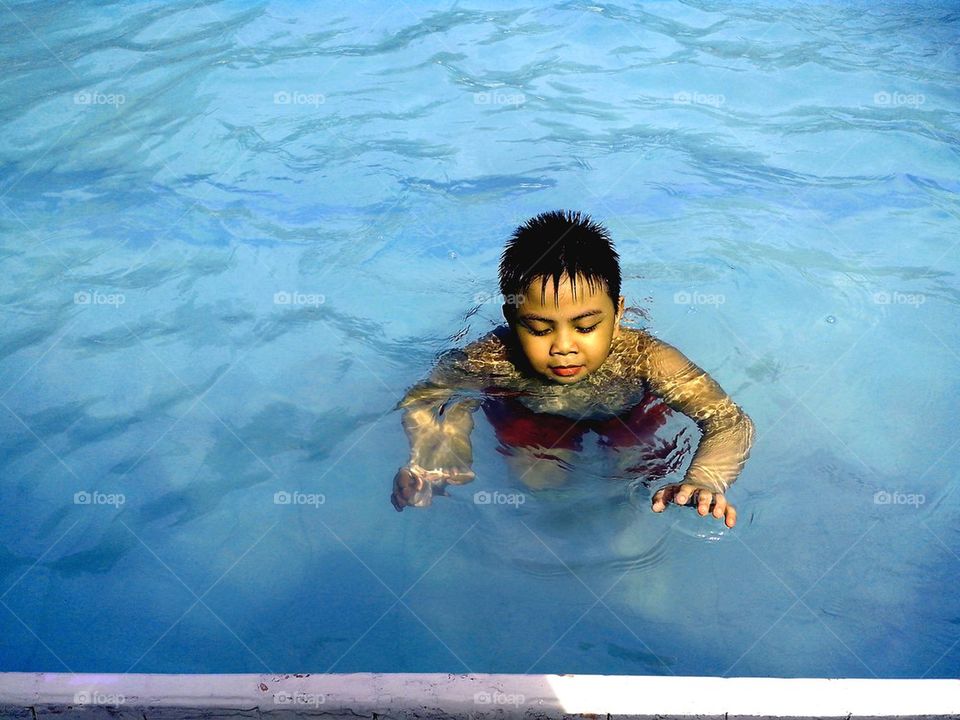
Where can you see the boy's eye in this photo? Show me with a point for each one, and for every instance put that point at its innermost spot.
(583, 330)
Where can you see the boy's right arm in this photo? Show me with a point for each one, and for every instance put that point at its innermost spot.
(438, 429)
(438, 426)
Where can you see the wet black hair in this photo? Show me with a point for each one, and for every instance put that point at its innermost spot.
(556, 243)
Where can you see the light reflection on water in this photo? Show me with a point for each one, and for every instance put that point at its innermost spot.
(178, 166)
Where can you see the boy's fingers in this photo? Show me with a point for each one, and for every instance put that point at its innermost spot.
(704, 500)
(460, 477)
(411, 483)
(685, 493)
(657, 502)
(701, 497)
(731, 516)
(662, 497)
(399, 495)
(407, 485)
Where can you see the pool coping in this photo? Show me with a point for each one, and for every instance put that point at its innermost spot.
(434, 695)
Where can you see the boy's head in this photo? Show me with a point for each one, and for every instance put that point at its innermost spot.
(560, 275)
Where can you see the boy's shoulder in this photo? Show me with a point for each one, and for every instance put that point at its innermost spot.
(635, 340)
(491, 352)
(635, 349)
(639, 333)
(485, 357)
(495, 342)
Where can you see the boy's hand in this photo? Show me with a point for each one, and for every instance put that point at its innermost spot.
(415, 486)
(703, 498)
(409, 488)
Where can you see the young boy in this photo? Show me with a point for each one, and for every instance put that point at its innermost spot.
(562, 365)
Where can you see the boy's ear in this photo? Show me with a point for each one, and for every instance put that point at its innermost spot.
(616, 323)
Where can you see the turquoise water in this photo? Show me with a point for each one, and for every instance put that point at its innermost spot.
(781, 181)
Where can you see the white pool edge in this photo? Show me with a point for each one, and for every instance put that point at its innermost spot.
(476, 695)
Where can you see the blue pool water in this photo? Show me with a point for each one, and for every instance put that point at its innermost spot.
(781, 180)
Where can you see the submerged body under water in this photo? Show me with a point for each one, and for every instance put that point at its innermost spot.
(536, 420)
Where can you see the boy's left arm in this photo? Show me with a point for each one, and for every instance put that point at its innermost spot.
(727, 430)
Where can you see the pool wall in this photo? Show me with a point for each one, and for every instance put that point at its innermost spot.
(375, 695)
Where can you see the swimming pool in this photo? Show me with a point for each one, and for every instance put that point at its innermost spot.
(233, 234)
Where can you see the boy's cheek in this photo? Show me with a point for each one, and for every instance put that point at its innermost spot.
(532, 353)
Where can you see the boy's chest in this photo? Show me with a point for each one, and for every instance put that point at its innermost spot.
(583, 401)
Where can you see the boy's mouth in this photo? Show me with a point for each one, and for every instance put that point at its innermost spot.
(566, 370)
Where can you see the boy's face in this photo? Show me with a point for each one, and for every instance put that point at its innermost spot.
(565, 342)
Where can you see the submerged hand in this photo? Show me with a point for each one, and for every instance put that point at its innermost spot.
(703, 498)
(414, 486)
(409, 488)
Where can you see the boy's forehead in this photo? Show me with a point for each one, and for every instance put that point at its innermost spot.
(538, 295)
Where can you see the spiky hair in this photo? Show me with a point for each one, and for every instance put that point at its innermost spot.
(557, 243)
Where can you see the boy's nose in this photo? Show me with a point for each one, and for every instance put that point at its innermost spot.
(563, 344)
